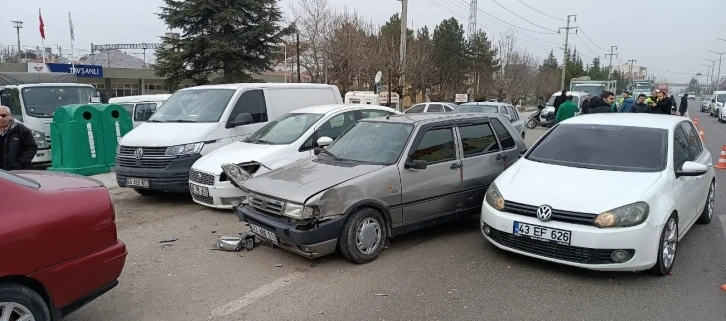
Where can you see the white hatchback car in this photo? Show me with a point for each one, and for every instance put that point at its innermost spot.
(604, 192)
(288, 139)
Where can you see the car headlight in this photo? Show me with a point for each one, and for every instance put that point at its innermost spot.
(624, 216)
(186, 149)
(236, 174)
(494, 198)
(39, 138)
(297, 211)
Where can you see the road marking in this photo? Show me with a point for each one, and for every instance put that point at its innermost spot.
(722, 218)
(255, 295)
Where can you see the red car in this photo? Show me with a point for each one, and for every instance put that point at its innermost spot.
(58, 244)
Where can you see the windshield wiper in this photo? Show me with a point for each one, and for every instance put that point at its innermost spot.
(180, 121)
(325, 151)
(260, 141)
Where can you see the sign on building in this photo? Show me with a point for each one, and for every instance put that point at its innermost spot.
(80, 70)
(461, 98)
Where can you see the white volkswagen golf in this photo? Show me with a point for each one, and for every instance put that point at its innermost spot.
(604, 192)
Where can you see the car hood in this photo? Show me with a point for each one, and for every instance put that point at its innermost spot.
(572, 189)
(59, 181)
(167, 134)
(300, 181)
(237, 152)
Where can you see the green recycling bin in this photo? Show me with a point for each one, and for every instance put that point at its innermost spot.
(77, 140)
(115, 123)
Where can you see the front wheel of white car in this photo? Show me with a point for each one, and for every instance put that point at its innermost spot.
(667, 247)
(707, 213)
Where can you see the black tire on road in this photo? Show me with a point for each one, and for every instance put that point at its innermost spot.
(531, 123)
(707, 213)
(347, 242)
(27, 298)
(660, 269)
(146, 192)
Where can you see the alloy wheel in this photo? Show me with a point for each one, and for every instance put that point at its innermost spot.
(711, 199)
(670, 241)
(15, 312)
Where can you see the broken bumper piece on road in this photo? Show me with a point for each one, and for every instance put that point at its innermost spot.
(311, 240)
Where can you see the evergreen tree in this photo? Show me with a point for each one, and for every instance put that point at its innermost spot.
(482, 57)
(449, 51)
(229, 38)
(550, 61)
(595, 72)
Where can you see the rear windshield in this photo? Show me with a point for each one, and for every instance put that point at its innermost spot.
(721, 97)
(464, 108)
(18, 179)
(604, 147)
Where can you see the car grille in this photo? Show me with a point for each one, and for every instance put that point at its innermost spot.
(265, 204)
(201, 177)
(557, 215)
(203, 199)
(152, 157)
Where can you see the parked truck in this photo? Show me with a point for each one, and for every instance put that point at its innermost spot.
(34, 97)
(593, 87)
(644, 87)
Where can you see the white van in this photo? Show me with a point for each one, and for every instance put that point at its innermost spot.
(157, 155)
(577, 97)
(140, 107)
(371, 98)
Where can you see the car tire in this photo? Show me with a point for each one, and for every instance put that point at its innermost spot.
(664, 264)
(25, 300)
(363, 236)
(707, 213)
(146, 192)
(531, 123)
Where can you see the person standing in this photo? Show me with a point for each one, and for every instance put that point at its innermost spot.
(626, 103)
(662, 105)
(675, 105)
(684, 105)
(585, 105)
(568, 109)
(640, 106)
(604, 104)
(17, 145)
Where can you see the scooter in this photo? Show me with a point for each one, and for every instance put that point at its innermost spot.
(534, 119)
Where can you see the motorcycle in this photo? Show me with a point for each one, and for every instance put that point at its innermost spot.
(534, 119)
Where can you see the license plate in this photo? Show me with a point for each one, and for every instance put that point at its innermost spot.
(542, 233)
(199, 190)
(140, 182)
(264, 233)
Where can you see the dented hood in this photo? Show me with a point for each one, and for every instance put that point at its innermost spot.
(302, 180)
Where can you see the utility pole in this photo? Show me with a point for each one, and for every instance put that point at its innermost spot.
(708, 76)
(404, 38)
(710, 79)
(298, 57)
(60, 54)
(611, 54)
(720, 55)
(631, 61)
(18, 25)
(567, 39)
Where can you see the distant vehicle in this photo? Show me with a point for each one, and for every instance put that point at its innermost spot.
(577, 98)
(660, 160)
(644, 87)
(140, 107)
(54, 264)
(433, 168)
(431, 107)
(593, 87)
(371, 98)
(705, 101)
(508, 111)
(717, 105)
(691, 96)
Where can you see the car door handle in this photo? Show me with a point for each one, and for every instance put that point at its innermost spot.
(456, 165)
(501, 157)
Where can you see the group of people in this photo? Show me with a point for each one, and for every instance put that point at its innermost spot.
(658, 103)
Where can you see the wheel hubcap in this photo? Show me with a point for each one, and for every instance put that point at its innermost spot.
(711, 200)
(11, 311)
(368, 236)
(670, 240)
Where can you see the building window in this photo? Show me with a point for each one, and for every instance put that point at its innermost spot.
(156, 87)
(120, 90)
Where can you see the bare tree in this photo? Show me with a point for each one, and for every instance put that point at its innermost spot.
(347, 49)
(312, 19)
(420, 64)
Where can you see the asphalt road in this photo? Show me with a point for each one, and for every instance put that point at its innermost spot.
(444, 273)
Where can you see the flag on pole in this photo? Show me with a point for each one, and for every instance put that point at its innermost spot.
(70, 22)
(42, 25)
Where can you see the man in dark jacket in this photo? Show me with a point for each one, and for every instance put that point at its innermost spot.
(559, 100)
(640, 105)
(585, 105)
(602, 105)
(683, 108)
(17, 145)
(662, 105)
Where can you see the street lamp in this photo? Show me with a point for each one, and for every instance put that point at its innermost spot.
(720, 55)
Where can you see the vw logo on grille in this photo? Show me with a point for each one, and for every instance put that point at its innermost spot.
(544, 213)
(138, 153)
(199, 175)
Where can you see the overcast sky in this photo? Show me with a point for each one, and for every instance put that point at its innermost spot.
(662, 35)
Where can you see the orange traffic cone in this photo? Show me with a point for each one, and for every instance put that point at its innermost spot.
(695, 120)
(721, 159)
(703, 136)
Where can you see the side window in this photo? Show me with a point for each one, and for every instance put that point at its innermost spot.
(416, 109)
(129, 108)
(504, 136)
(372, 113)
(503, 110)
(252, 102)
(435, 108)
(144, 111)
(436, 146)
(513, 112)
(336, 125)
(681, 152)
(308, 144)
(694, 141)
(448, 108)
(478, 139)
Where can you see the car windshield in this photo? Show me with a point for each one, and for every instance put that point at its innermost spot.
(193, 106)
(42, 102)
(372, 142)
(473, 108)
(721, 97)
(642, 88)
(594, 90)
(284, 130)
(603, 147)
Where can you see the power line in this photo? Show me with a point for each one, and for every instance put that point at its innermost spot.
(586, 46)
(588, 37)
(520, 17)
(505, 22)
(540, 12)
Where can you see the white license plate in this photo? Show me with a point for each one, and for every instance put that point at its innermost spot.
(140, 182)
(542, 233)
(264, 233)
(199, 190)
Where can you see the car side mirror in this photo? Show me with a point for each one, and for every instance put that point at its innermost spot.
(416, 164)
(524, 151)
(691, 169)
(241, 120)
(324, 141)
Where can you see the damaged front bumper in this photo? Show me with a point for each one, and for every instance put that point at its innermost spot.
(309, 241)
